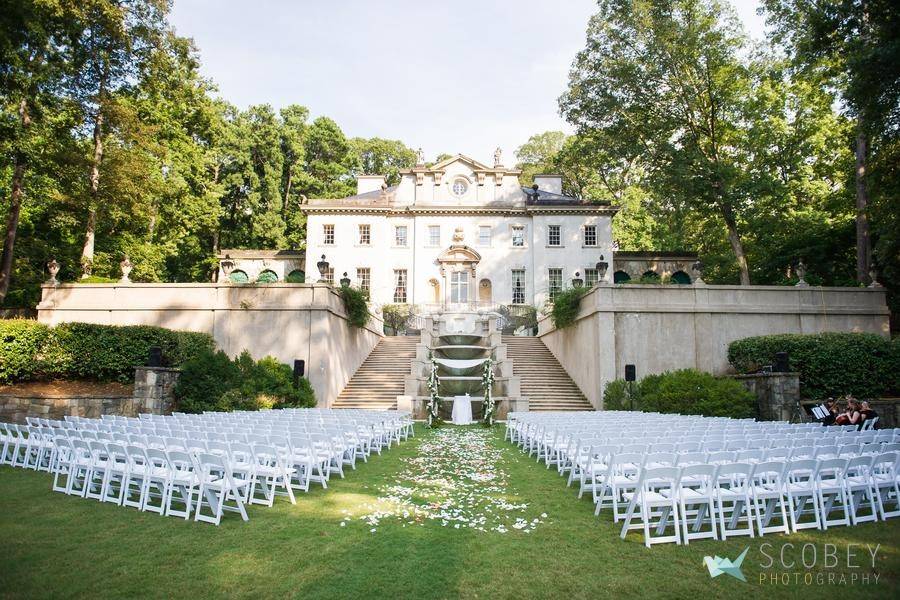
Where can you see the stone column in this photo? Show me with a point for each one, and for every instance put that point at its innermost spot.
(154, 389)
(777, 395)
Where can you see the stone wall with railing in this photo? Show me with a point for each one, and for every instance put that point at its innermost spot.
(288, 321)
(660, 328)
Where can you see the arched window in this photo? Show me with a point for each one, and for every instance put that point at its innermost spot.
(621, 277)
(650, 277)
(267, 276)
(681, 278)
(238, 276)
(296, 276)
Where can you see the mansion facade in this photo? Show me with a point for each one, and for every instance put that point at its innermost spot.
(458, 233)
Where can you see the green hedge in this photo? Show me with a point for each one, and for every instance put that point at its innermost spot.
(687, 392)
(356, 303)
(213, 381)
(33, 351)
(565, 307)
(830, 364)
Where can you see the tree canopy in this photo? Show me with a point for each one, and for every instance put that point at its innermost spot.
(754, 155)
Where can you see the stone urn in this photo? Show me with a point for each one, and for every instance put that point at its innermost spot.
(53, 268)
(126, 266)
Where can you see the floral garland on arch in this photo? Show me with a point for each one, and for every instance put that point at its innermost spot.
(487, 382)
(434, 400)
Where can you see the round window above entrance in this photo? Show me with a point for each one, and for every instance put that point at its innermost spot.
(459, 187)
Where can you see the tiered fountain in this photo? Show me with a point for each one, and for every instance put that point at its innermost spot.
(460, 343)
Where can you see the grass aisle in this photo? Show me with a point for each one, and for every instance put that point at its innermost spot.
(53, 545)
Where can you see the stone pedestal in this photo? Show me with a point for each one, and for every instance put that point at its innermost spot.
(777, 395)
(154, 389)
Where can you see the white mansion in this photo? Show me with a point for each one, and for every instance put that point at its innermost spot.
(459, 232)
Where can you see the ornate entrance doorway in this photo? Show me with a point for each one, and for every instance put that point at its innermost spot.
(457, 267)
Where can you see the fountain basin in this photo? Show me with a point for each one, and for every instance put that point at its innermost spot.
(461, 351)
(471, 366)
(457, 385)
(456, 339)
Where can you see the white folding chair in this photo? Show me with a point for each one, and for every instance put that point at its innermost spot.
(800, 477)
(767, 492)
(219, 490)
(831, 486)
(696, 501)
(732, 494)
(656, 496)
(884, 480)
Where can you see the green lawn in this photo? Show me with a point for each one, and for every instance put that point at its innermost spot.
(54, 545)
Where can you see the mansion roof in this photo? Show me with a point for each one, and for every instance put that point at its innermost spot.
(425, 190)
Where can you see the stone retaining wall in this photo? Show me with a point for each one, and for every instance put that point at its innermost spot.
(777, 395)
(666, 327)
(14, 409)
(153, 393)
(288, 321)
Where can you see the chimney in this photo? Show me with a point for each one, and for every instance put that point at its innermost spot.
(549, 183)
(369, 183)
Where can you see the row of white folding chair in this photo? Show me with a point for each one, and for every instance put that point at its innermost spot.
(756, 493)
(551, 443)
(330, 454)
(148, 478)
(591, 468)
(24, 446)
(576, 457)
(333, 453)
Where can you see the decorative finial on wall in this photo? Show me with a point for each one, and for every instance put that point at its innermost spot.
(126, 266)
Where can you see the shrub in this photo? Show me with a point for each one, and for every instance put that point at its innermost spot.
(30, 350)
(565, 306)
(96, 279)
(272, 379)
(21, 349)
(692, 392)
(830, 364)
(356, 303)
(204, 380)
(622, 395)
(213, 381)
(687, 392)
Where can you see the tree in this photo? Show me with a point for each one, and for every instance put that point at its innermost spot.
(33, 68)
(252, 195)
(328, 162)
(377, 156)
(855, 46)
(537, 154)
(110, 39)
(664, 79)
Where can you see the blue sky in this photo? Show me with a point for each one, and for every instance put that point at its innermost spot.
(448, 76)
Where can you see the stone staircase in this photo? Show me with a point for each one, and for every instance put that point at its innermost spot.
(379, 380)
(544, 382)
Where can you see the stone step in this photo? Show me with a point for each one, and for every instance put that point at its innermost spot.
(543, 380)
(379, 380)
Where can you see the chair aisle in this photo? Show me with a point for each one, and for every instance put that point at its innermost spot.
(200, 465)
(679, 478)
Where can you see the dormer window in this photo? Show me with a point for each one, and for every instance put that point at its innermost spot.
(459, 187)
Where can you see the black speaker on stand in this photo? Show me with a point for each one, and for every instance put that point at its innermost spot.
(781, 364)
(155, 357)
(630, 378)
(299, 370)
